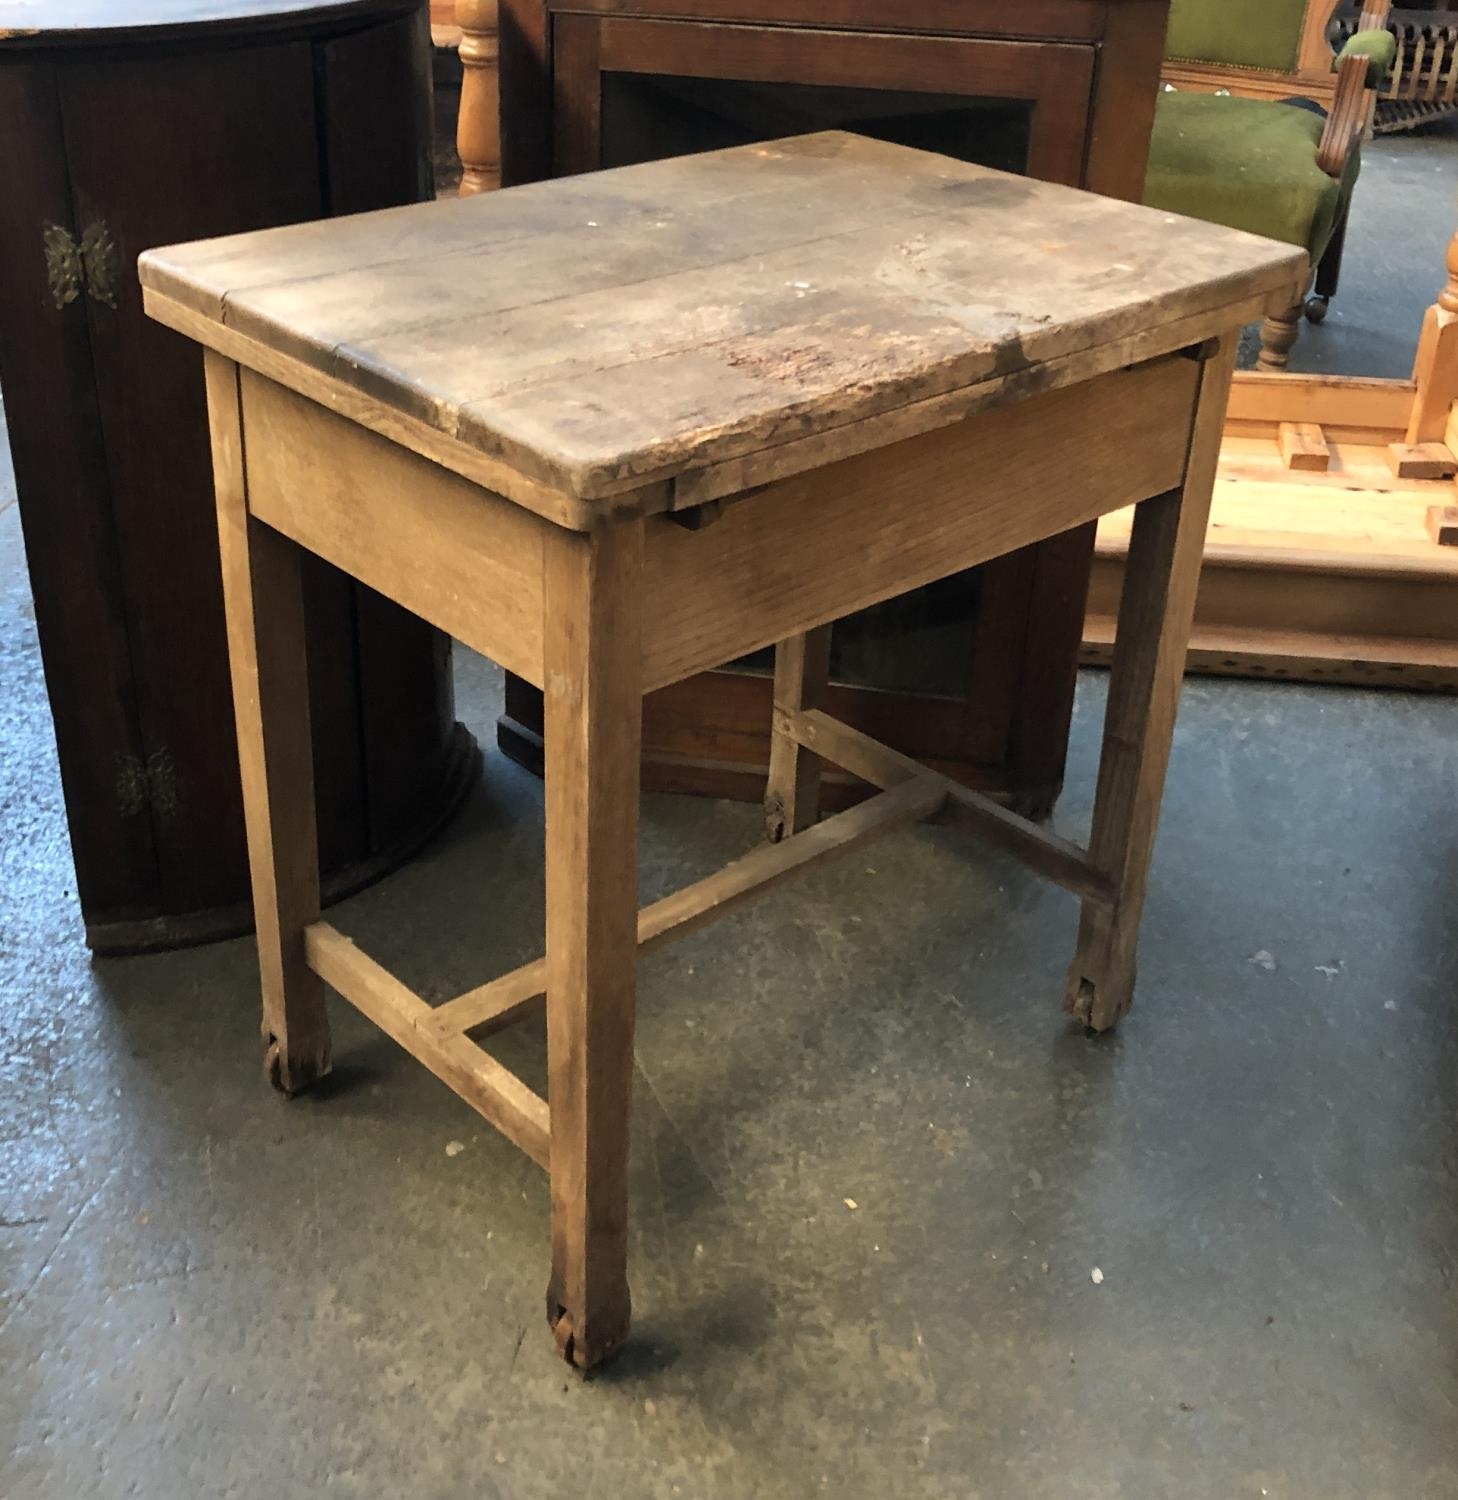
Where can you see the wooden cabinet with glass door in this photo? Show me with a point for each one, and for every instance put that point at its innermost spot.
(976, 674)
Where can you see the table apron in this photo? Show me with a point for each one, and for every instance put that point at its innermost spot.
(811, 549)
(798, 553)
(463, 558)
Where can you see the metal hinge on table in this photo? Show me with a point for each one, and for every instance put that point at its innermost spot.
(91, 264)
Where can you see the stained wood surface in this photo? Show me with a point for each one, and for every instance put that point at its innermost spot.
(604, 332)
(45, 21)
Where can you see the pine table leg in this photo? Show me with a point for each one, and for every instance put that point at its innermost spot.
(264, 605)
(792, 796)
(594, 711)
(1156, 613)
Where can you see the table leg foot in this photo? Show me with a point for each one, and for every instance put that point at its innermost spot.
(1101, 1002)
(288, 1071)
(587, 1343)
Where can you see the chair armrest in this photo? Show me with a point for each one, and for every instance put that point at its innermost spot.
(1365, 63)
(1379, 47)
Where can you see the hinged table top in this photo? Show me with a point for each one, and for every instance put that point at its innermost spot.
(601, 333)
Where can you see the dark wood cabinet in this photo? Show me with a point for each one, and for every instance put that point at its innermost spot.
(976, 675)
(128, 125)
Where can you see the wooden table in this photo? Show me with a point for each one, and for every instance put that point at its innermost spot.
(129, 123)
(753, 407)
(975, 674)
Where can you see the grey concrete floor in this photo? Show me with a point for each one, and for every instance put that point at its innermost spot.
(1403, 215)
(206, 1291)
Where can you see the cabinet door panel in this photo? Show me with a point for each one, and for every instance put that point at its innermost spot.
(65, 512)
(249, 110)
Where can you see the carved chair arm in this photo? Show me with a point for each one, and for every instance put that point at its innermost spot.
(1363, 66)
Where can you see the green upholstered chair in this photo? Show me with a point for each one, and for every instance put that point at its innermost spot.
(1272, 168)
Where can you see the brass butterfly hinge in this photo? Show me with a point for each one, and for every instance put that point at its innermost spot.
(103, 264)
(92, 264)
(64, 269)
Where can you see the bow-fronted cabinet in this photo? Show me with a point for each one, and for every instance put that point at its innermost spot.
(127, 124)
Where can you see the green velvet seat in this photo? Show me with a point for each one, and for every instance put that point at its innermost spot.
(1248, 165)
(1252, 163)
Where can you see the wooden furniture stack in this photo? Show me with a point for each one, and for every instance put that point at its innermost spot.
(791, 381)
(1331, 553)
(977, 674)
(1260, 164)
(1423, 86)
(126, 124)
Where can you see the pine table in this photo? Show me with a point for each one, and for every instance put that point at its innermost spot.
(788, 381)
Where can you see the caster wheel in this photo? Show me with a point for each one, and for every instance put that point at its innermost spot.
(1316, 309)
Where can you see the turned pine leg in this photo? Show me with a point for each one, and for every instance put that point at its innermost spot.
(792, 796)
(478, 130)
(594, 711)
(1278, 337)
(1156, 612)
(264, 604)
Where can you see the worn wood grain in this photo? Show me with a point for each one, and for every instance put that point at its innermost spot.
(897, 276)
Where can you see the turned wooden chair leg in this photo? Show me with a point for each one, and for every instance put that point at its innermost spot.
(478, 127)
(594, 713)
(264, 604)
(1278, 336)
(1155, 616)
(792, 795)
